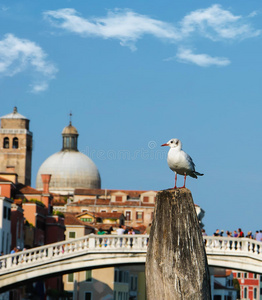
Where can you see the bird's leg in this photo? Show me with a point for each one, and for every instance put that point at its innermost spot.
(184, 182)
(175, 187)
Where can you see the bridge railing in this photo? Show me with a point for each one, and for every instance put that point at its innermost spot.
(117, 243)
(233, 246)
(90, 243)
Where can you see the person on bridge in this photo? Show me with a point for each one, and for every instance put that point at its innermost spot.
(259, 236)
(240, 233)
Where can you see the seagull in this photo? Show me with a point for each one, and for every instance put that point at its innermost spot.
(179, 161)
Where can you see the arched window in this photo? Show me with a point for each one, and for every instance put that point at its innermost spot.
(6, 143)
(245, 292)
(15, 143)
(255, 293)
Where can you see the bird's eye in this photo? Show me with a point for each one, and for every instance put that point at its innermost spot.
(171, 142)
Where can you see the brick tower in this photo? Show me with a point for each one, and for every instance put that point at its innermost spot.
(16, 146)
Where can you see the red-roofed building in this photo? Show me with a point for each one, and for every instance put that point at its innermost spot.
(222, 287)
(136, 206)
(31, 208)
(249, 285)
(75, 227)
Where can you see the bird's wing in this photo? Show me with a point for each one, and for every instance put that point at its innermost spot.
(190, 162)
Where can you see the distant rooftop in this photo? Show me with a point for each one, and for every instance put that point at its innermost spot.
(14, 115)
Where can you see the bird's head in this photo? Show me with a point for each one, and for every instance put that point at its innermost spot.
(173, 143)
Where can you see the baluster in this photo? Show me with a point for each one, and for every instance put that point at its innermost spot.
(109, 242)
(86, 243)
(139, 240)
(245, 246)
(81, 245)
(92, 242)
(129, 242)
(9, 262)
(50, 252)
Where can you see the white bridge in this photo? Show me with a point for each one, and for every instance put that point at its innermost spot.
(93, 251)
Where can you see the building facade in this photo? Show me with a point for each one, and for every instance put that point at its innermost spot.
(16, 146)
(5, 224)
(250, 285)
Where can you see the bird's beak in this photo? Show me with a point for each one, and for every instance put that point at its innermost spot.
(164, 145)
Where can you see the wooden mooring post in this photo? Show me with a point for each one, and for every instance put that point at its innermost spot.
(176, 264)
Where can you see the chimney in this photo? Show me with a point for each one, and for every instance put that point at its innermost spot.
(46, 180)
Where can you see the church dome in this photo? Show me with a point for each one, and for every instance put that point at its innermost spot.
(70, 129)
(69, 168)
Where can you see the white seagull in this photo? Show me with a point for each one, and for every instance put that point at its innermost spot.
(179, 161)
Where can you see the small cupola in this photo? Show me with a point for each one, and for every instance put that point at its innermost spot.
(70, 136)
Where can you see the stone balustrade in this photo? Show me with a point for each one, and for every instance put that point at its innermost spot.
(118, 244)
(61, 250)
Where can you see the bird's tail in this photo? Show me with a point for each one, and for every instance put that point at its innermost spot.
(198, 174)
(195, 174)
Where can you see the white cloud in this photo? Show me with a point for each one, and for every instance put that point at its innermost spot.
(124, 25)
(18, 55)
(128, 27)
(217, 24)
(202, 60)
(253, 14)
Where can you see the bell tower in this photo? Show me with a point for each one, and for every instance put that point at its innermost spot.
(16, 146)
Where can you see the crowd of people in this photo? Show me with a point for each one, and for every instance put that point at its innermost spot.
(239, 234)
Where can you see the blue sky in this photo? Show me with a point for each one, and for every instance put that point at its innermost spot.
(136, 74)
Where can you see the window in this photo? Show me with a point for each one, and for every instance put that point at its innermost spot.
(128, 215)
(86, 219)
(121, 279)
(238, 275)
(70, 277)
(6, 143)
(245, 275)
(5, 212)
(126, 278)
(72, 234)
(88, 296)
(255, 275)
(245, 292)
(116, 275)
(132, 283)
(3, 241)
(146, 199)
(135, 284)
(255, 293)
(118, 198)
(9, 214)
(139, 216)
(88, 275)
(102, 210)
(15, 143)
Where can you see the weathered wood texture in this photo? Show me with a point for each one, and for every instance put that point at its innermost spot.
(176, 264)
